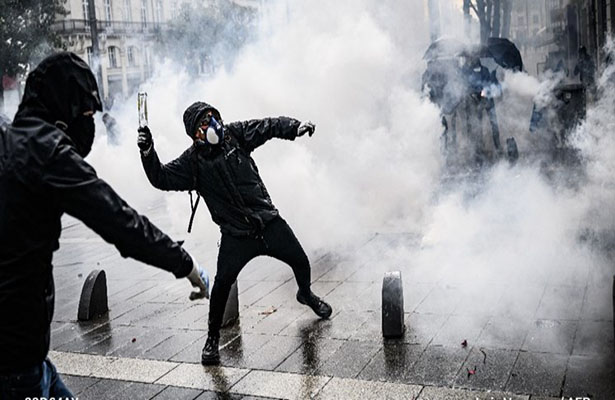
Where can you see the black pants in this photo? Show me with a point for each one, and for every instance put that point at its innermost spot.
(277, 241)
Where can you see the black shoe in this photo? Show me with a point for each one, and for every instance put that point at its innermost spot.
(322, 309)
(210, 355)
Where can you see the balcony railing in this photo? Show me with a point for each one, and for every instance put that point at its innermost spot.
(75, 26)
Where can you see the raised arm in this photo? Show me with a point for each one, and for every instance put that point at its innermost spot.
(176, 175)
(254, 133)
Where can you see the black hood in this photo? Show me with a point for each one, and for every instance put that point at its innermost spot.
(194, 114)
(60, 88)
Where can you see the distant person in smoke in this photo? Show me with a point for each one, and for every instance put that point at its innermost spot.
(219, 167)
(586, 69)
(113, 136)
(43, 175)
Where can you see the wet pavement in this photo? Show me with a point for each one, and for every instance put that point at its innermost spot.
(555, 340)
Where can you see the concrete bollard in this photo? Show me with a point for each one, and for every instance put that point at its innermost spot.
(231, 311)
(392, 305)
(93, 302)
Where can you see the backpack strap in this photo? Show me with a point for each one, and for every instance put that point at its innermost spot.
(195, 174)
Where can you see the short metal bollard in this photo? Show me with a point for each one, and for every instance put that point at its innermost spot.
(93, 302)
(231, 311)
(392, 305)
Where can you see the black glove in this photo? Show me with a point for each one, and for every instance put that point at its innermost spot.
(145, 140)
(304, 127)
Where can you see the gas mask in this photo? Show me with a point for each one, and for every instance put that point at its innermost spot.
(81, 130)
(214, 132)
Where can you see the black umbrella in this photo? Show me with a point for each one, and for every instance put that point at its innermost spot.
(504, 52)
(444, 48)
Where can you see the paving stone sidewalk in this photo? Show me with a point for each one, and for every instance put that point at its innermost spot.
(555, 340)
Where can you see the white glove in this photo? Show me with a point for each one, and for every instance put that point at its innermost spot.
(199, 278)
(306, 126)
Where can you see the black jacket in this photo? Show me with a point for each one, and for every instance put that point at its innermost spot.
(41, 177)
(225, 176)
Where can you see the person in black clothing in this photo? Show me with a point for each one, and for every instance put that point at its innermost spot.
(43, 175)
(218, 166)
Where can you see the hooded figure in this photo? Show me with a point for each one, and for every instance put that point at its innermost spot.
(219, 167)
(42, 176)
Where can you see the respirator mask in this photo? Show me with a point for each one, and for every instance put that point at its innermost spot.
(212, 130)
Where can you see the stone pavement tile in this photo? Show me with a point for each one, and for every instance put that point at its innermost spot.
(349, 360)
(561, 302)
(120, 336)
(344, 324)
(415, 293)
(88, 339)
(437, 393)
(193, 316)
(493, 368)
(140, 391)
(441, 300)
(241, 348)
(312, 353)
(340, 272)
(598, 303)
(354, 296)
(459, 328)
(283, 294)
(392, 362)
(142, 341)
(177, 393)
(550, 336)
(196, 376)
(505, 333)
(306, 324)
(421, 328)
(209, 395)
(594, 338)
(104, 389)
(371, 330)
(271, 354)
(438, 365)
(591, 376)
(66, 311)
(538, 373)
(266, 269)
(257, 292)
(279, 385)
(78, 384)
(480, 302)
(144, 311)
(162, 317)
(180, 340)
(192, 352)
(275, 322)
(64, 332)
(342, 389)
(521, 305)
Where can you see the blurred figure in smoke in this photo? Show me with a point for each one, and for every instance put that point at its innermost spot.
(480, 87)
(218, 166)
(43, 175)
(586, 69)
(113, 137)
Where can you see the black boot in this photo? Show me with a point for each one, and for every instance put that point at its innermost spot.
(210, 355)
(322, 309)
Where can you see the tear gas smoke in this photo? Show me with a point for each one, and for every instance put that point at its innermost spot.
(374, 163)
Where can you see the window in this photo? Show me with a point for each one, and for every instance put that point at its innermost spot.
(86, 10)
(535, 19)
(130, 56)
(158, 11)
(144, 12)
(127, 11)
(108, 15)
(114, 57)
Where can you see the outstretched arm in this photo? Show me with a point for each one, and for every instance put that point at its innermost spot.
(254, 133)
(77, 190)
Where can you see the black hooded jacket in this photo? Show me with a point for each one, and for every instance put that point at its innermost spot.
(41, 177)
(225, 175)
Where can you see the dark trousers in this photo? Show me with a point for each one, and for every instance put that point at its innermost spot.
(277, 240)
(41, 381)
